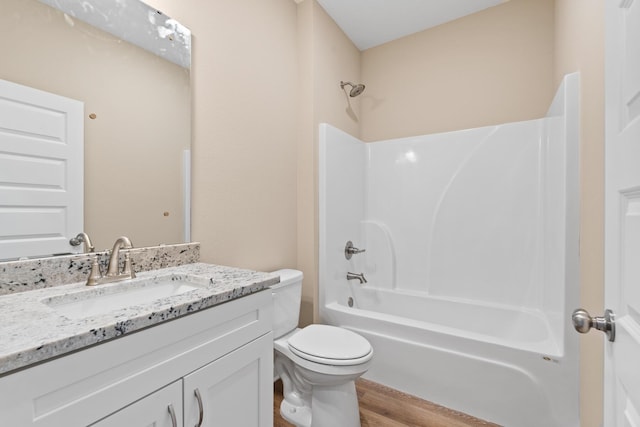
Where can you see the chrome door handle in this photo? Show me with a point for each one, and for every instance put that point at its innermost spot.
(172, 413)
(200, 408)
(583, 322)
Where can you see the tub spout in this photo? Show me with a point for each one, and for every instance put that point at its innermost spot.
(360, 277)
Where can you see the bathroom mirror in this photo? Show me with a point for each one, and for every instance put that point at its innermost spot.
(137, 109)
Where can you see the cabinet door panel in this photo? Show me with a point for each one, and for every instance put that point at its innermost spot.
(151, 411)
(236, 390)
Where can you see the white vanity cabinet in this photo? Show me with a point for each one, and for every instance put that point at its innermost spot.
(225, 352)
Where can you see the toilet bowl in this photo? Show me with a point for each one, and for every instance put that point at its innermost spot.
(318, 364)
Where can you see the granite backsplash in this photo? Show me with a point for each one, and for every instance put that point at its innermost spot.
(30, 274)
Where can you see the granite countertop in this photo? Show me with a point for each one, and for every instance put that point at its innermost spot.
(32, 331)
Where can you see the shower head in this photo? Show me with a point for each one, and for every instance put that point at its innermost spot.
(355, 89)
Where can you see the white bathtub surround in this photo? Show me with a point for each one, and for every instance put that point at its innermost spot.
(33, 331)
(471, 258)
(30, 274)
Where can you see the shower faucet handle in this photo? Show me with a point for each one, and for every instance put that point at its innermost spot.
(350, 250)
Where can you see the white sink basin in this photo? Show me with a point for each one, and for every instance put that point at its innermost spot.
(117, 296)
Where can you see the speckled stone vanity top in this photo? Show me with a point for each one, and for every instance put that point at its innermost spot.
(32, 331)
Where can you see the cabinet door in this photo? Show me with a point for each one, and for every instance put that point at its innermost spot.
(234, 390)
(160, 409)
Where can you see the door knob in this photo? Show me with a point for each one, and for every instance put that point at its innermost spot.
(583, 322)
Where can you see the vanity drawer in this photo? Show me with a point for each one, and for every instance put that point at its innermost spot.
(87, 385)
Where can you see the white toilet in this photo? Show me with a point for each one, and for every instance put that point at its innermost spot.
(317, 364)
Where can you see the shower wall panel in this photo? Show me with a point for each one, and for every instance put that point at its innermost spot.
(342, 189)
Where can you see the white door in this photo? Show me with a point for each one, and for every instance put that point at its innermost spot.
(41, 171)
(622, 212)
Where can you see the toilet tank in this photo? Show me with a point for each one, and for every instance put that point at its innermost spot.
(286, 301)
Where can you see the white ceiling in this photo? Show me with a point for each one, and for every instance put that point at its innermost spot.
(369, 23)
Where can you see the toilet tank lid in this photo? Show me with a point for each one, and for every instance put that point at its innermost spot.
(287, 276)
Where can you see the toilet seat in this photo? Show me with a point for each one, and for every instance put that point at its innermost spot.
(330, 345)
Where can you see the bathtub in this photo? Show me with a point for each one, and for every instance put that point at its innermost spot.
(495, 363)
(472, 242)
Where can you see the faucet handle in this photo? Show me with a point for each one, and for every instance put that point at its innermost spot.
(350, 250)
(128, 270)
(95, 274)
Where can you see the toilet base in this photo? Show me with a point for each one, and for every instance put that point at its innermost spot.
(330, 406)
(300, 416)
(335, 406)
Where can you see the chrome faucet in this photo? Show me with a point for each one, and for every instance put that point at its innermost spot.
(113, 270)
(82, 238)
(360, 277)
(122, 242)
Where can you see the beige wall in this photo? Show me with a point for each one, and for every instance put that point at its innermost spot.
(580, 47)
(492, 67)
(258, 97)
(306, 167)
(245, 104)
(133, 149)
(326, 57)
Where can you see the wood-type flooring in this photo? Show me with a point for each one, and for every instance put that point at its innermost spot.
(382, 406)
